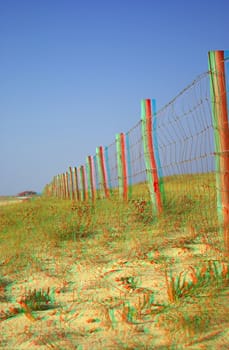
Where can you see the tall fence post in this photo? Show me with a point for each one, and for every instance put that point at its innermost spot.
(57, 186)
(61, 186)
(54, 187)
(97, 178)
(128, 157)
(102, 171)
(64, 186)
(91, 177)
(106, 156)
(76, 184)
(83, 183)
(72, 194)
(156, 151)
(216, 61)
(150, 162)
(122, 167)
(67, 185)
(88, 178)
(80, 184)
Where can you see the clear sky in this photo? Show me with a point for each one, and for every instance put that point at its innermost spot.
(73, 73)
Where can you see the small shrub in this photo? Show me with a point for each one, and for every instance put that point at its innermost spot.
(211, 273)
(11, 312)
(37, 300)
(3, 284)
(142, 210)
(129, 282)
(75, 223)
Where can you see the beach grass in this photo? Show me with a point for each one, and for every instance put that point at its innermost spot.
(111, 275)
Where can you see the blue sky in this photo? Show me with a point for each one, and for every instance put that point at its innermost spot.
(73, 73)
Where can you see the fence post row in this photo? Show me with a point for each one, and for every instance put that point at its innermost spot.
(150, 163)
(216, 62)
(84, 181)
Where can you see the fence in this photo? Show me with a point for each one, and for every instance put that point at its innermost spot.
(175, 158)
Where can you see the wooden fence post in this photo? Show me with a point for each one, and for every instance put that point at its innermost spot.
(82, 176)
(91, 178)
(156, 151)
(106, 156)
(76, 184)
(61, 186)
(151, 168)
(97, 178)
(54, 186)
(89, 186)
(85, 183)
(64, 186)
(216, 61)
(128, 157)
(57, 186)
(67, 185)
(122, 168)
(102, 171)
(71, 184)
(99, 173)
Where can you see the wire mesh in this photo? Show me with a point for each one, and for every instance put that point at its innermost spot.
(185, 132)
(137, 169)
(112, 166)
(186, 150)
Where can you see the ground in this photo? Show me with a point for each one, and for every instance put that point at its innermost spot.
(110, 291)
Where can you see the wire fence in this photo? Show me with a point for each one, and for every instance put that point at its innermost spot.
(169, 158)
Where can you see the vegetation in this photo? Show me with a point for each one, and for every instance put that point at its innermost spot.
(108, 275)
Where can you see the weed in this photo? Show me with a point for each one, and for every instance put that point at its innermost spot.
(127, 230)
(3, 284)
(142, 210)
(129, 282)
(11, 312)
(37, 300)
(216, 273)
(78, 223)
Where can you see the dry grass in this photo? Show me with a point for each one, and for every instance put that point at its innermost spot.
(111, 276)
